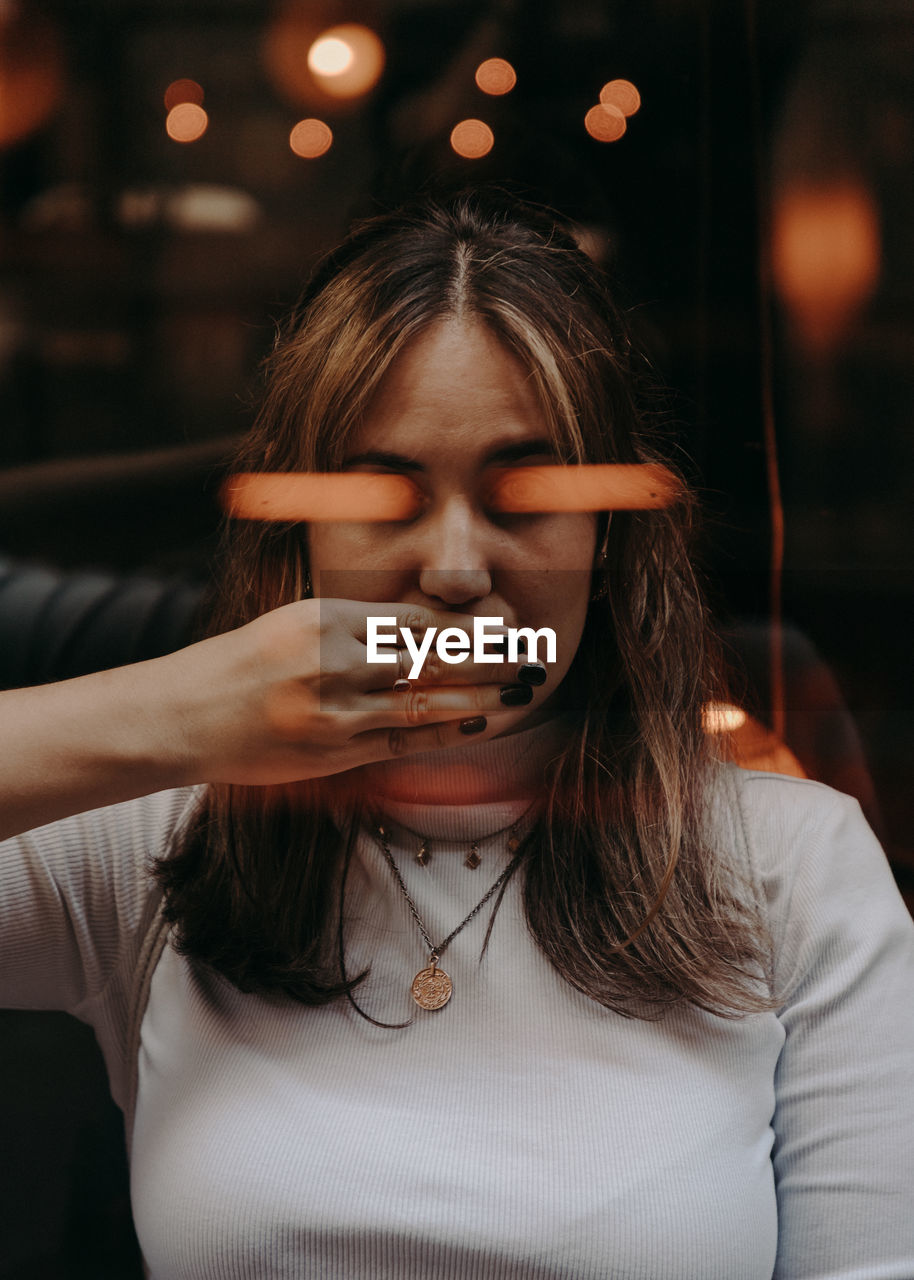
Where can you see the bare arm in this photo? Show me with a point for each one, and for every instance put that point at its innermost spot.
(289, 696)
(83, 743)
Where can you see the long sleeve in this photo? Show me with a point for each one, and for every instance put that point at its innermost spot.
(74, 896)
(844, 1120)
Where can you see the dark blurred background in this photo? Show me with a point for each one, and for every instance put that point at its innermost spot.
(757, 214)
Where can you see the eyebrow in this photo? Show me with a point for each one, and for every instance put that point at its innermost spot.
(499, 456)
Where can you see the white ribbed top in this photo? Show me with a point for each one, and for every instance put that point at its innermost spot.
(521, 1132)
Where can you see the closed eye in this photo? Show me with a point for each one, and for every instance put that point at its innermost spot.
(411, 498)
(529, 490)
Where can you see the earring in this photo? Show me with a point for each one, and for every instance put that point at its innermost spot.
(307, 589)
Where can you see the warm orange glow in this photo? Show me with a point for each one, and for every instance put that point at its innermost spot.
(605, 123)
(319, 496)
(286, 40)
(330, 56)
(745, 741)
(621, 94)
(183, 91)
(496, 76)
(826, 253)
(347, 61)
(31, 72)
(610, 487)
(472, 139)
(310, 138)
(186, 122)
(722, 717)
(370, 497)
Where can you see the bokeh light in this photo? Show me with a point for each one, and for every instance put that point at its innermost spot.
(826, 253)
(311, 138)
(186, 122)
(330, 56)
(347, 61)
(722, 717)
(496, 76)
(31, 72)
(621, 94)
(180, 91)
(605, 123)
(472, 139)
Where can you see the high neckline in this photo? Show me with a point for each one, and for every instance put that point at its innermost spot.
(468, 791)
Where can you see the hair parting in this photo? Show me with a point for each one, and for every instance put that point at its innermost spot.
(627, 886)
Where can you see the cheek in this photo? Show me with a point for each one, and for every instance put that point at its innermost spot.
(558, 591)
(558, 599)
(334, 550)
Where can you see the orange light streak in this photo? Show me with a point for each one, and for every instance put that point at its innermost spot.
(598, 487)
(496, 76)
(367, 497)
(319, 496)
(311, 138)
(472, 139)
(186, 122)
(621, 94)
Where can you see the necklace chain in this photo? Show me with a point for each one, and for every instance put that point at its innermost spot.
(438, 951)
(431, 987)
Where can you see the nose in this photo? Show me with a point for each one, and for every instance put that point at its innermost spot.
(455, 555)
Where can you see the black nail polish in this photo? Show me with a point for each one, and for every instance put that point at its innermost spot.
(532, 673)
(476, 725)
(516, 695)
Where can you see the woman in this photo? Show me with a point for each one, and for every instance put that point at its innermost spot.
(475, 976)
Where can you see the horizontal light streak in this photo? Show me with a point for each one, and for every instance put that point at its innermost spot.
(594, 487)
(367, 497)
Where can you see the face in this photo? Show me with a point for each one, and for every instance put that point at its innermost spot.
(455, 406)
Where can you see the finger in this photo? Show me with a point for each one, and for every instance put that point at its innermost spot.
(437, 649)
(343, 663)
(420, 706)
(390, 744)
(435, 672)
(396, 615)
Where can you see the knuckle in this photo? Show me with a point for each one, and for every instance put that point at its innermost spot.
(398, 742)
(483, 700)
(415, 619)
(417, 706)
(439, 736)
(433, 668)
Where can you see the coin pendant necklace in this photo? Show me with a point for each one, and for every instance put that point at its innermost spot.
(432, 987)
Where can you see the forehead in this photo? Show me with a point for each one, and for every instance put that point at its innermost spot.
(454, 385)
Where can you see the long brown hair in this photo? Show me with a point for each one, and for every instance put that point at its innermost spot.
(622, 889)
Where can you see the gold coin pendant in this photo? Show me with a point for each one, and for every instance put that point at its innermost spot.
(431, 988)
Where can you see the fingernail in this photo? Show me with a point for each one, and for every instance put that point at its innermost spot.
(516, 695)
(476, 725)
(532, 673)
